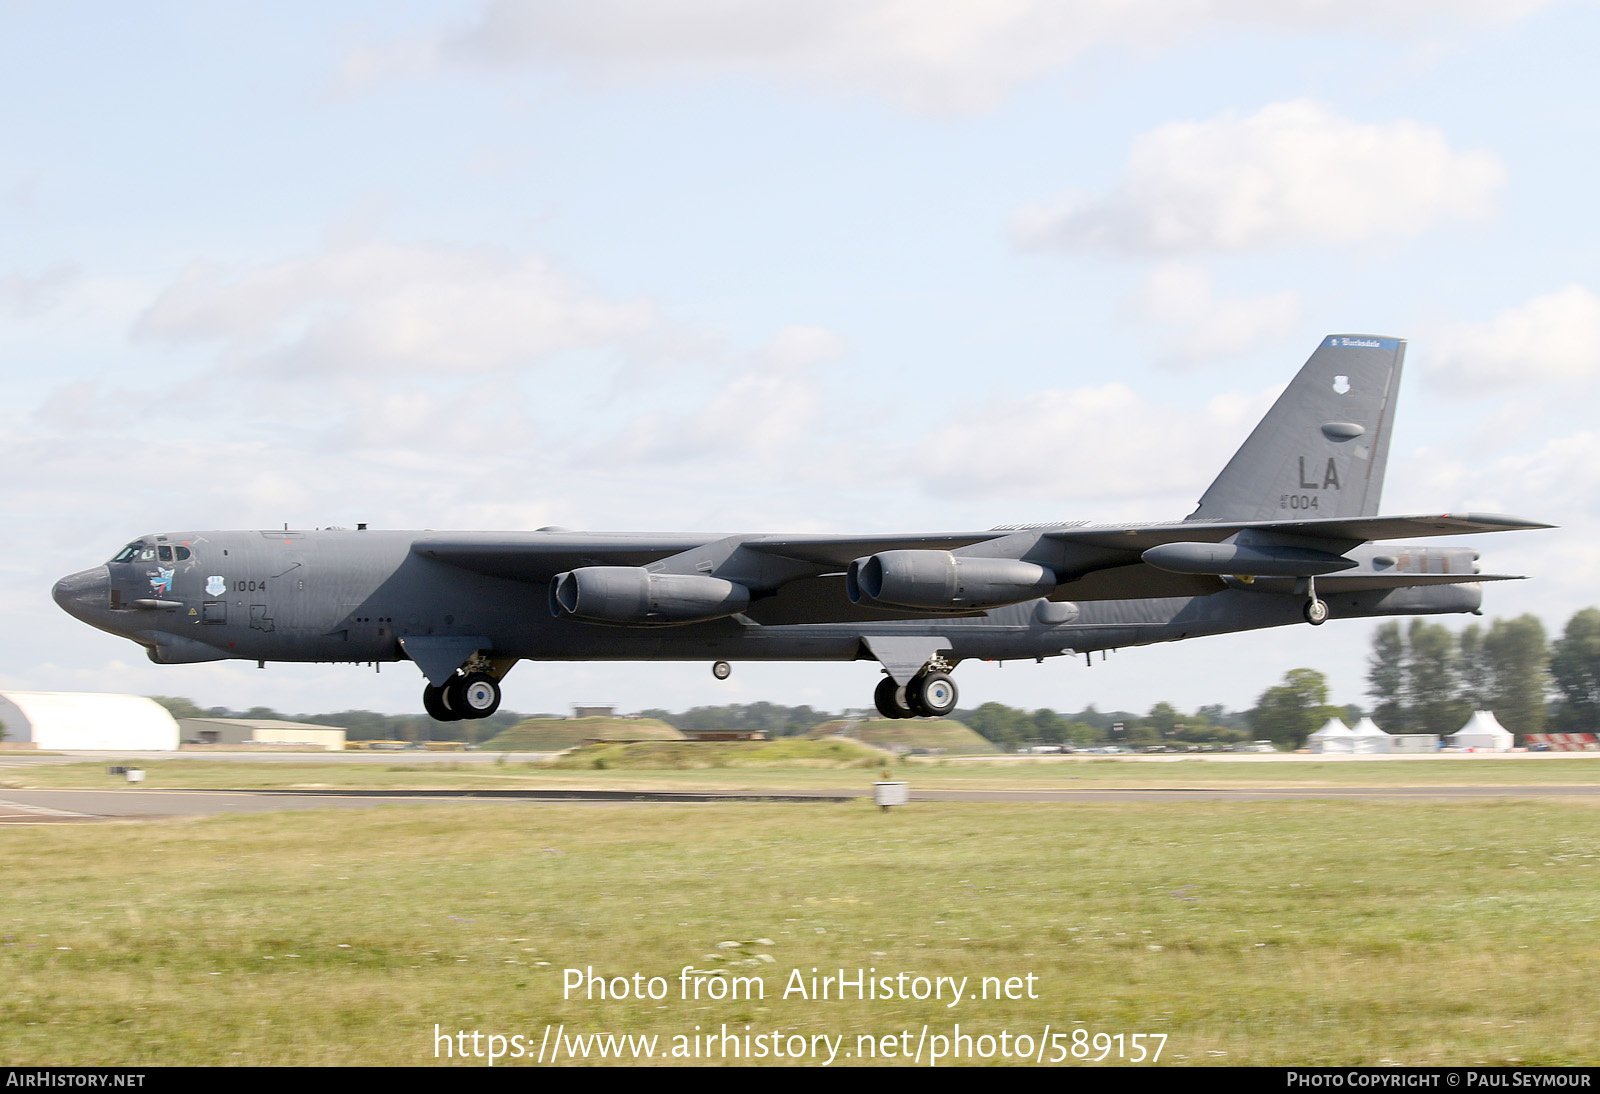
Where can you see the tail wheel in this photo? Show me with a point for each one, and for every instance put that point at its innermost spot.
(890, 699)
(1316, 612)
(932, 696)
(476, 695)
(436, 702)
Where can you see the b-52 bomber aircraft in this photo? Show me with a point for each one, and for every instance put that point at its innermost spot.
(1286, 533)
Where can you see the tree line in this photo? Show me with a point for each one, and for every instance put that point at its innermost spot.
(1425, 679)
(1422, 678)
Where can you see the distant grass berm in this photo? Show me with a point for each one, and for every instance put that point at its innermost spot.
(938, 735)
(557, 734)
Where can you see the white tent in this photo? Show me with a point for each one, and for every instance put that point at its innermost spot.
(75, 720)
(1484, 732)
(1335, 736)
(1369, 738)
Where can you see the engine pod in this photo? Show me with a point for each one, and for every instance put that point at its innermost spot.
(939, 580)
(633, 596)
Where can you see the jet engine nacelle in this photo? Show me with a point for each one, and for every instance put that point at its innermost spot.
(939, 580)
(633, 596)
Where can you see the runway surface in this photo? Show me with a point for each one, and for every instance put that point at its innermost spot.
(62, 806)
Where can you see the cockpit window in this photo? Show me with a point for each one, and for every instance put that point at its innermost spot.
(139, 552)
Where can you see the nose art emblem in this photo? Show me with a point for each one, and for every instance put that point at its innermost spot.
(215, 586)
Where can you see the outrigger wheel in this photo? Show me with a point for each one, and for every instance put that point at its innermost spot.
(1316, 609)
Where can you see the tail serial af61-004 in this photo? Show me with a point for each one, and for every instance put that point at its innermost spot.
(1285, 534)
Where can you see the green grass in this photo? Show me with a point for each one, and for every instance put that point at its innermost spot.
(681, 756)
(783, 771)
(1303, 932)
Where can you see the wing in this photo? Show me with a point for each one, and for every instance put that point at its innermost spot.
(1138, 538)
(1110, 562)
(800, 578)
(539, 556)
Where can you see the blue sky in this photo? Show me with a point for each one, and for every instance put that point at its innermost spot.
(776, 266)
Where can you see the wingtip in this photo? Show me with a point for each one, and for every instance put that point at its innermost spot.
(1511, 523)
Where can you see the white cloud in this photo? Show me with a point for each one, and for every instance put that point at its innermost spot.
(1089, 445)
(387, 308)
(930, 55)
(1555, 337)
(1290, 173)
(1203, 325)
(23, 296)
(765, 412)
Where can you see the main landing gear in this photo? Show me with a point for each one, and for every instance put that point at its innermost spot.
(928, 695)
(467, 695)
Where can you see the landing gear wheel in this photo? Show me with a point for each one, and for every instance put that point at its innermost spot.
(476, 695)
(721, 670)
(1316, 612)
(436, 703)
(932, 696)
(890, 699)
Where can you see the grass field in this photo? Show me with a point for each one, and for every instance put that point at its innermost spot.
(1302, 932)
(740, 774)
(788, 753)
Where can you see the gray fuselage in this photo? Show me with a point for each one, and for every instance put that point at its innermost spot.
(352, 596)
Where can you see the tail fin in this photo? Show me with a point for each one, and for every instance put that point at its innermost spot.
(1321, 449)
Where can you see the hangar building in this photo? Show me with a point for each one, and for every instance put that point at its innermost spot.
(262, 731)
(71, 721)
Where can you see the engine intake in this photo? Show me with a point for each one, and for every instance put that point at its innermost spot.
(941, 581)
(633, 596)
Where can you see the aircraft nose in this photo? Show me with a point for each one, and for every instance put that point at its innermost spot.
(85, 593)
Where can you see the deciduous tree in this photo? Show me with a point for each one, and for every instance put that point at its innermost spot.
(1295, 709)
(1575, 667)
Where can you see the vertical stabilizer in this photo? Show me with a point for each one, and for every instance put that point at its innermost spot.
(1321, 449)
